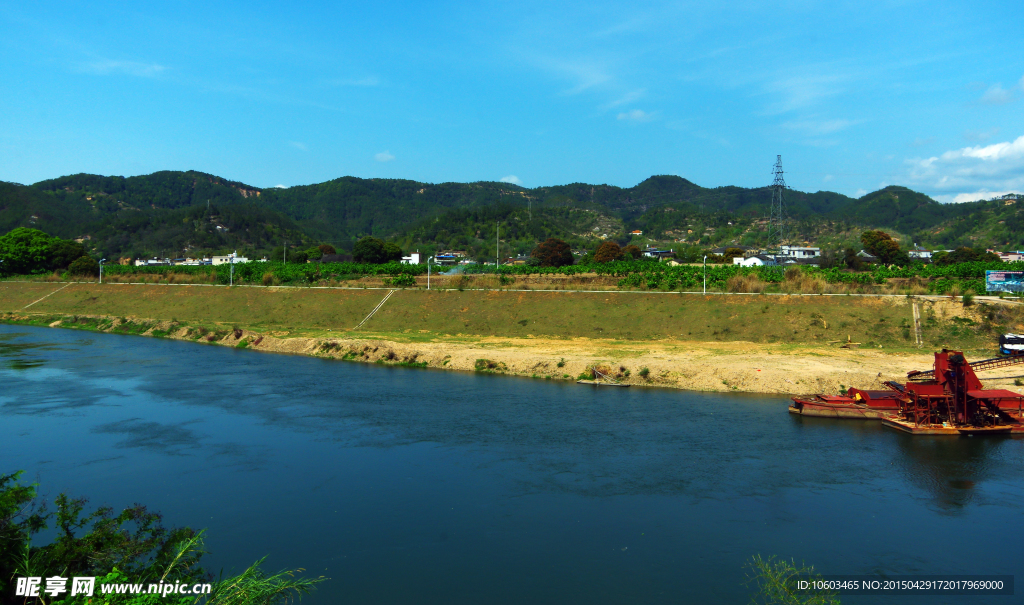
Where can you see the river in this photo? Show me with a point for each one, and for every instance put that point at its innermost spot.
(417, 486)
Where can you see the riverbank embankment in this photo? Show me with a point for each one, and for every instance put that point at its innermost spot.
(713, 343)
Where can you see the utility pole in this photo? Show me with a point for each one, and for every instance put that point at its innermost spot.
(285, 252)
(496, 253)
(777, 211)
(101, 269)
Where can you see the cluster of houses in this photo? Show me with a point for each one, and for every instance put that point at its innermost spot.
(787, 255)
(187, 262)
(802, 255)
(1009, 257)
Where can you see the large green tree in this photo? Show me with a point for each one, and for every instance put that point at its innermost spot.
(25, 250)
(373, 250)
(392, 252)
(964, 255)
(881, 245)
(368, 250)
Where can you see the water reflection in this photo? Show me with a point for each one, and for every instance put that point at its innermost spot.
(952, 468)
(16, 352)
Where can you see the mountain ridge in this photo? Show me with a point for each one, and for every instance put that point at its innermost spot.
(180, 210)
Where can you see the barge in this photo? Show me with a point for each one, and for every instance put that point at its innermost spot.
(949, 399)
(856, 403)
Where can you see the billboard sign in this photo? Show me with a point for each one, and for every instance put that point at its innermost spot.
(1004, 281)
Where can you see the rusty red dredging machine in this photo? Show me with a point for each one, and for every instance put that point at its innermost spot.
(949, 399)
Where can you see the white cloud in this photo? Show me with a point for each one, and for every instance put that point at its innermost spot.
(972, 170)
(131, 68)
(861, 193)
(996, 95)
(636, 115)
(384, 156)
(828, 177)
(970, 197)
(298, 145)
(513, 179)
(280, 187)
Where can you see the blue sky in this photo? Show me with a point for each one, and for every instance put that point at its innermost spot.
(854, 95)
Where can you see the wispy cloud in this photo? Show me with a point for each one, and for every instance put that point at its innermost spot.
(513, 179)
(827, 178)
(817, 127)
(922, 141)
(625, 99)
(280, 187)
(298, 145)
(800, 92)
(996, 95)
(636, 115)
(980, 136)
(583, 74)
(970, 170)
(365, 82)
(131, 68)
(384, 156)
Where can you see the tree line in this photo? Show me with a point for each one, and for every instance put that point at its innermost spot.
(26, 251)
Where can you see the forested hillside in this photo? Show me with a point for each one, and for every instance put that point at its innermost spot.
(174, 213)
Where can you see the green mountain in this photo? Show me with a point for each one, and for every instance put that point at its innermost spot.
(176, 213)
(165, 213)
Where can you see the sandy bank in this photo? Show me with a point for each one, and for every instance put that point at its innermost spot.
(700, 366)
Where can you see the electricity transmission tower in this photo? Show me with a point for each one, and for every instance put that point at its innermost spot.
(777, 212)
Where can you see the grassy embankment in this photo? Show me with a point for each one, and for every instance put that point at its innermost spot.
(711, 342)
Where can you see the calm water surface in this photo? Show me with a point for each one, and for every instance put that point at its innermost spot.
(415, 486)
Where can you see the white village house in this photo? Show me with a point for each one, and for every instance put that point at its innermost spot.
(760, 260)
(799, 252)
